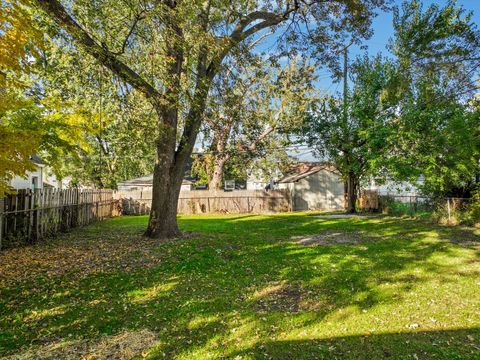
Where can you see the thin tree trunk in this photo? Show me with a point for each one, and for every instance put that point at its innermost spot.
(352, 185)
(217, 173)
(221, 135)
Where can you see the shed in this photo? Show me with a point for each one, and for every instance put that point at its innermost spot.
(314, 186)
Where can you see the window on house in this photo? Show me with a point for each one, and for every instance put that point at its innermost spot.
(34, 182)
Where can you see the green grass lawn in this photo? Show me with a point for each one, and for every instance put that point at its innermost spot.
(246, 287)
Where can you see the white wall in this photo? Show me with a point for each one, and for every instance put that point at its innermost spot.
(184, 187)
(50, 179)
(396, 188)
(19, 182)
(320, 191)
(256, 185)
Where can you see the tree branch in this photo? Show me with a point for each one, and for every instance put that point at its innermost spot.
(262, 136)
(108, 59)
(242, 31)
(138, 17)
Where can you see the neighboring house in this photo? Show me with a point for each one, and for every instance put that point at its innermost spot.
(51, 181)
(256, 179)
(393, 188)
(32, 179)
(145, 183)
(40, 178)
(314, 186)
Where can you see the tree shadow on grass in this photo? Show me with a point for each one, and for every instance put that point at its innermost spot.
(448, 344)
(249, 269)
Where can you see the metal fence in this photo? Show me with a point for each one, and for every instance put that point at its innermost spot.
(28, 216)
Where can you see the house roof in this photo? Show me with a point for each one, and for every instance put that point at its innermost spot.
(303, 169)
(37, 160)
(148, 181)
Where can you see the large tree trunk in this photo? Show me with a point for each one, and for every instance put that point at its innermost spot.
(167, 181)
(163, 214)
(171, 159)
(351, 187)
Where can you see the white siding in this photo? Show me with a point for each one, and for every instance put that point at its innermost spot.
(396, 188)
(19, 182)
(320, 191)
(256, 185)
(186, 187)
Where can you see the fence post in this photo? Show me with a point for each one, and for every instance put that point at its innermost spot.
(2, 206)
(448, 209)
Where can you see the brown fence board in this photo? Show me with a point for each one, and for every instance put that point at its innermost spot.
(204, 201)
(28, 216)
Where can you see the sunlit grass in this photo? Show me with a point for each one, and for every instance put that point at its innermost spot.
(245, 288)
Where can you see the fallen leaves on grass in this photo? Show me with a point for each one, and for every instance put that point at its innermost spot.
(126, 345)
(82, 256)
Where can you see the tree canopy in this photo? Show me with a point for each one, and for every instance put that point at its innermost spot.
(171, 51)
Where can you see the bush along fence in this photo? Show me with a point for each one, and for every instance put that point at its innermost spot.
(206, 201)
(448, 211)
(28, 216)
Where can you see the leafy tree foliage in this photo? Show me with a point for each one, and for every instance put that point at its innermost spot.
(18, 40)
(411, 116)
(118, 126)
(352, 132)
(251, 113)
(436, 137)
(171, 51)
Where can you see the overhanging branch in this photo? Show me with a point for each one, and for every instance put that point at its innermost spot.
(108, 59)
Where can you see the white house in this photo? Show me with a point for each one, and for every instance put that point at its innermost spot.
(32, 179)
(40, 178)
(392, 188)
(145, 183)
(51, 181)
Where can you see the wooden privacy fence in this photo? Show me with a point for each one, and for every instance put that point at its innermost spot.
(31, 215)
(368, 200)
(206, 201)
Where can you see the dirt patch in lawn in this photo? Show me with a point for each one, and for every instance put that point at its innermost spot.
(463, 236)
(335, 237)
(288, 298)
(126, 345)
(345, 216)
(278, 297)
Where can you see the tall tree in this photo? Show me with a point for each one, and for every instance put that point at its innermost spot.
(436, 130)
(251, 112)
(18, 40)
(28, 124)
(170, 51)
(352, 131)
(119, 124)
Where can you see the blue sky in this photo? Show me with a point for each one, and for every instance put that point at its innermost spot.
(383, 31)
